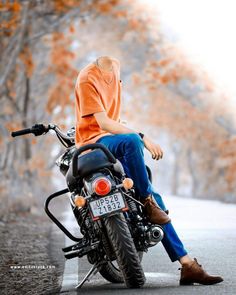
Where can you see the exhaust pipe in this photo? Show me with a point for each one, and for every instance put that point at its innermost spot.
(154, 235)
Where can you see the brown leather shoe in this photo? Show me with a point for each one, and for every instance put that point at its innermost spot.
(154, 213)
(194, 273)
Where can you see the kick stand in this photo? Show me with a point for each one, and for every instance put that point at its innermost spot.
(94, 269)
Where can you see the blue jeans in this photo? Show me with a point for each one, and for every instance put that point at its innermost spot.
(128, 149)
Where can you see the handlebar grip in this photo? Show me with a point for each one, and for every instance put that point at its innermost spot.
(21, 132)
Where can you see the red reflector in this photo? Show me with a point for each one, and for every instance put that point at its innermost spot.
(95, 218)
(102, 186)
(125, 209)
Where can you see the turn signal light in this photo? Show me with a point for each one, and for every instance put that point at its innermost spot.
(80, 201)
(102, 186)
(128, 183)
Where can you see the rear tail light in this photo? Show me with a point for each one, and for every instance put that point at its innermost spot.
(102, 186)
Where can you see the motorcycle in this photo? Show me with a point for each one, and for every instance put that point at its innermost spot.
(115, 230)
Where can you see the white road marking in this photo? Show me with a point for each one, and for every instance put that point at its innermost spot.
(159, 275)
(70, 275)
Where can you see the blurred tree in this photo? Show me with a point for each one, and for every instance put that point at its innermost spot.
(32, 38)
(44, 43)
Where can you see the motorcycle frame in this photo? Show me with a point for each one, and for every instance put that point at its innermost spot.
(54, 219)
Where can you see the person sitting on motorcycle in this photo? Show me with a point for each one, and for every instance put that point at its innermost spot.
(98, 104)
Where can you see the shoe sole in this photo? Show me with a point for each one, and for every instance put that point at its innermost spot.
(189, 283)
(185, 283)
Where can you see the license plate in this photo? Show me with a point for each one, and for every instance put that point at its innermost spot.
(108, 204)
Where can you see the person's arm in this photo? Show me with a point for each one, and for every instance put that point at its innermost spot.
(114, 127)
(109, 125)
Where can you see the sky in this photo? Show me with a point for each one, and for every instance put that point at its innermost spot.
(206, 30)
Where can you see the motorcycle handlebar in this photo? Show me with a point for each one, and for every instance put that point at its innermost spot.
(40, 129)
(21, 132)
(37, 129)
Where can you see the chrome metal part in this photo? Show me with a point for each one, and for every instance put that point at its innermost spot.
(154, 235)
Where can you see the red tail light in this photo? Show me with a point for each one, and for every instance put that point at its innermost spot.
(102, 186)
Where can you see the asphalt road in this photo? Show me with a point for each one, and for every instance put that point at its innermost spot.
(208, 230)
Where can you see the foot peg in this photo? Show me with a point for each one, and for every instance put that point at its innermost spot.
(75, 246)
(69, 248)
(78, 250)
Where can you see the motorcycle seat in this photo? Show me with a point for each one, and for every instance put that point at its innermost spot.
(87, 164)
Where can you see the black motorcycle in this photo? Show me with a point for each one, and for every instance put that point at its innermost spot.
(115, 230)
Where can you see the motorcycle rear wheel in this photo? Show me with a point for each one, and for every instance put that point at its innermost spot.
(127, 256)
(111, 272)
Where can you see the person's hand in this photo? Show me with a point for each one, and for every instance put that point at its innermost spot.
(153, 148)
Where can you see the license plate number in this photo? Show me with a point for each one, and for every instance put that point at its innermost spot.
(107, 205)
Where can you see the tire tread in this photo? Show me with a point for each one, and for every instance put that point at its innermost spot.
(126, 253)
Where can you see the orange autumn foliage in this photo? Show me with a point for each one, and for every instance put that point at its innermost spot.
(27, 59)
(106, 7)
(11, 11)
(62, 58)
(163, 62)
(65, 5)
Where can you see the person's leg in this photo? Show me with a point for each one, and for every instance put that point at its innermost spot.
(128, 149)
(171, 242)
(191, 271)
